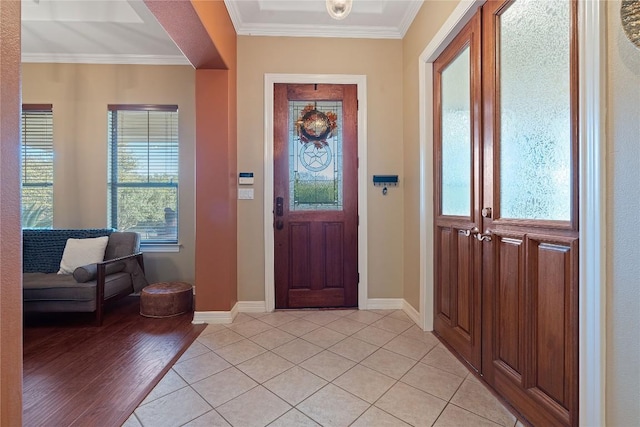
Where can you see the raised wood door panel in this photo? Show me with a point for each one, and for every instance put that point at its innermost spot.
(315, 198)
(552, 282)
(457, 130)
(509, 305)
(534, 325)
(530, 274)
(455, 295)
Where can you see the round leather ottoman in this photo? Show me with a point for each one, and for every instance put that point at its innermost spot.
(166, 299)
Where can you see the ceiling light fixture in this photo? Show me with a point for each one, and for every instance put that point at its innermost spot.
(339, 9)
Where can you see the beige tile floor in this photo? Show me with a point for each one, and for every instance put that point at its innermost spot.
(329, 368)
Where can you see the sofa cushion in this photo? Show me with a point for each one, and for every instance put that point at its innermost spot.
(42, 249)
(63, 287)
(89, 272)
(79, 252)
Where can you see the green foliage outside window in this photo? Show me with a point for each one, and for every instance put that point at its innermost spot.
(315, 192)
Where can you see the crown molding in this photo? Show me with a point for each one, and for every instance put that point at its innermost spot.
(301, 30)
(72, 58)
(234, 14)
(409, 16)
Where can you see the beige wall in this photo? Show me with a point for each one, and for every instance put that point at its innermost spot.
(623, 216)
(80, 94)
(426, 24)
(381, 62)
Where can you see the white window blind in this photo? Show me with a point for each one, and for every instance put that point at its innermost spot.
(37, 166)
(143, 171)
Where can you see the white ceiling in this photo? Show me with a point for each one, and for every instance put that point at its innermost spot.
(95, 31)
(125, 32)
(378, 19)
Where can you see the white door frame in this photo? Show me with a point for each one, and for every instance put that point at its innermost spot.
(592, 190)
(269, 256)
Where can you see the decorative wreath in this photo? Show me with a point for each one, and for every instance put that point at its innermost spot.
(315, 126)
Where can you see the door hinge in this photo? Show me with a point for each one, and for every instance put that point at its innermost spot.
(358, 277)
(358, 220)
(358, 104)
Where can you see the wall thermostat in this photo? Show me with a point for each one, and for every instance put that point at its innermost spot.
(245, 178)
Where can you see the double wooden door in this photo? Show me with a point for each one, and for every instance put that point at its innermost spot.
(506, 222)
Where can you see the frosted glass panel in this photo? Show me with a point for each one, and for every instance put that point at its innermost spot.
(535, 138)
(315, 155)
(456, 137)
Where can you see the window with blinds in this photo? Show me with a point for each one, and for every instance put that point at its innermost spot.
(143, 171)
(37, 166)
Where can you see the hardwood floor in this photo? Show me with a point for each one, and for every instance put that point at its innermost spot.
(78, 374)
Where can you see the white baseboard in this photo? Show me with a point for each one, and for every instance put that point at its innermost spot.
(394, 304)
(251, 306)
(385, 303)
(228, 316)
(211, 317)
(260, 307)
(411, 312)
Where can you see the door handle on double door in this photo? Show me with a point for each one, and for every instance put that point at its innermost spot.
(471, 232)
(484, 237)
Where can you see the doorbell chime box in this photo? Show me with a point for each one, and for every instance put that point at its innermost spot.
(245, 178)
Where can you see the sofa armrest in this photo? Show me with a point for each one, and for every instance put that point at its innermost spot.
(137, 256)
(102, 274)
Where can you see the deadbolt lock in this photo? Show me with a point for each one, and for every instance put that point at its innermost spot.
(486, 212)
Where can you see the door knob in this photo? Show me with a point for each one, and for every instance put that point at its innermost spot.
(471, 232)
(484, 237)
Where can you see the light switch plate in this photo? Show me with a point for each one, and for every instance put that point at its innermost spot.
(245, 193)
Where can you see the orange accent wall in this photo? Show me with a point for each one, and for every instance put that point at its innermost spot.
(10, 230)
(216, 167)
(216, 206)
(215, 18)
(204, 32)
(180, 20)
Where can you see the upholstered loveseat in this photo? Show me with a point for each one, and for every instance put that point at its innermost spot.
(90, 286)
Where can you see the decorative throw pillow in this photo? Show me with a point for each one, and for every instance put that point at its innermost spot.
(79, 252)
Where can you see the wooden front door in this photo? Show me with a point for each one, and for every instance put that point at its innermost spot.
(518, 184)
(315, 195)
(457, 134)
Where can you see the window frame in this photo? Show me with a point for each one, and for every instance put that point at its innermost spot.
(156, 245)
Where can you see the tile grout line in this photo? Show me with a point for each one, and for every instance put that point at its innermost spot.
(370, 405)
(416, 362)
(328, 382)
(449, 400)
(226, 401)
(482, 416)
(323, 348)
(328, 349)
